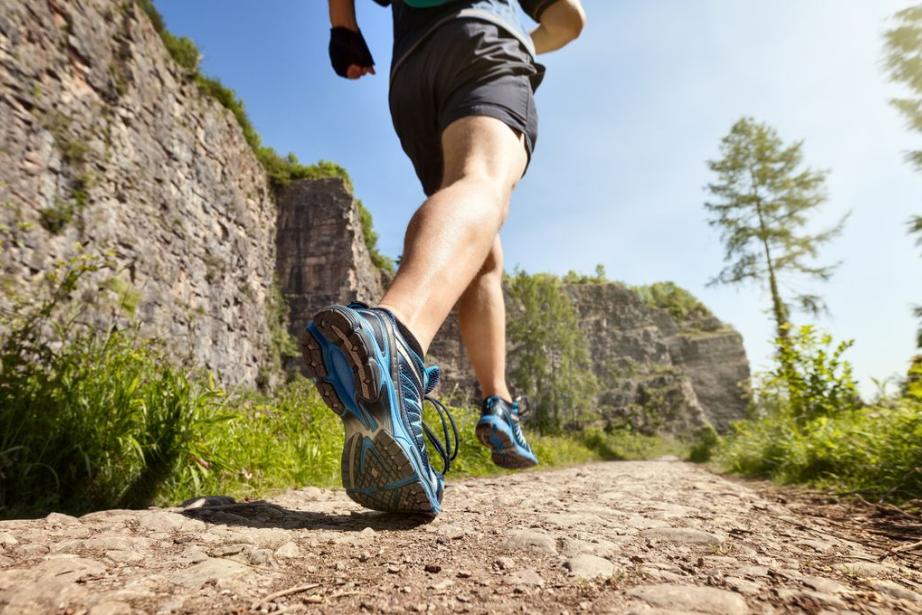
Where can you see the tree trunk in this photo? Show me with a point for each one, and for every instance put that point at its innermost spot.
(778, 308)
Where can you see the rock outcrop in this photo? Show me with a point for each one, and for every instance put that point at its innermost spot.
(322, 256)
(109, 146)
(657, 373)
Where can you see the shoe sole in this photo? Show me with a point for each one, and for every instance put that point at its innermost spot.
(379, 468)
(493, 434)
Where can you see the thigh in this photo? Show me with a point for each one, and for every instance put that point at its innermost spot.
(483, 147)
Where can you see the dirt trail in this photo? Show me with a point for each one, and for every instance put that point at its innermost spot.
(632, 537)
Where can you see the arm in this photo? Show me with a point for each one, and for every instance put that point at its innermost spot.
(560, 24)
(348, 51)
(342, 14)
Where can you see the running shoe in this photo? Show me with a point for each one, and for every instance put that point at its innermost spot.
(500, 430)
(369, 374)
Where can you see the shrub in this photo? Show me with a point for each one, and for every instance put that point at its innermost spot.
(681, 304)
(809, 426)
(811, 380)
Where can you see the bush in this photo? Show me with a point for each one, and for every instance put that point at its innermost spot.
(681, 304)
(811, 379)
(809, 426)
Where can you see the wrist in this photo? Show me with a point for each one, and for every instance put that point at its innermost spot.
(349, 24)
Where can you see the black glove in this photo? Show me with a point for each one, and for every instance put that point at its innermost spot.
(347, 48)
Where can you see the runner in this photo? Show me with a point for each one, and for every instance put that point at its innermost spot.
(462, 87)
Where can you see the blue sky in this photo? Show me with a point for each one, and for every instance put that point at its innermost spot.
(628, 116)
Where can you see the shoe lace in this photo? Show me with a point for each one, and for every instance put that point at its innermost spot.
(448, 447)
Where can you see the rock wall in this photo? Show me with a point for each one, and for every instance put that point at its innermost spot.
(108, 145)
(322, 257)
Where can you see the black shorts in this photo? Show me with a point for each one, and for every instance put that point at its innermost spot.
(465, 68)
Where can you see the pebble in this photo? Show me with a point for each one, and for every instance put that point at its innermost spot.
(682, 535)
(586, 566)
(532, 539)
(525, 576)
(7, 539)
(111, 607)
(504, 563)
(209, 570)
(289, 550)
(895, 590)
(433, 568)
(691, 598)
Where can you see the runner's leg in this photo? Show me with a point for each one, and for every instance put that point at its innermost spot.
(482, 314)
(451, 234)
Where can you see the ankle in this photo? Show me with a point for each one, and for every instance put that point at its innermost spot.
(405, 330)
(499, 390)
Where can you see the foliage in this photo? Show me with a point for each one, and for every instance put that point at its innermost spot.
(915, 225)
(875, 450)
(912, 388)
(574, 277)
(380, 261)
(810, 427)
(811, 380)
(284, 345)
(93, 420)
(762, 200)
(704, 442)
(903, 48)
(549, 353)
(259, 443)
(903, 60)
(681, 304)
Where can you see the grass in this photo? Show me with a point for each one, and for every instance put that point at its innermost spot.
(874, 450)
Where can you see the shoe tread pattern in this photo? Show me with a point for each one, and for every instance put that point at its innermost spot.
(378, 475)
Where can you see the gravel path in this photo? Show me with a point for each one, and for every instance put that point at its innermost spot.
(629, 537)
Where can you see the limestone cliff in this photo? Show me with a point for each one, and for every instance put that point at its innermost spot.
(322, 256)
(108, 145)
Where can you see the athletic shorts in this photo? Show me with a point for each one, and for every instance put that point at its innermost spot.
(466, 67)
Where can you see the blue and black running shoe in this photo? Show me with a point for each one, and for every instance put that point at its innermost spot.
(500, 430)
(371, 376)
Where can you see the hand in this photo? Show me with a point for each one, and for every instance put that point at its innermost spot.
(349, 53)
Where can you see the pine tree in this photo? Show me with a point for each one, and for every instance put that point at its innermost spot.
(904, 63)
(762, 199)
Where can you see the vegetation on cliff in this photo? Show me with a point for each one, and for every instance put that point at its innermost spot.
(548, 352)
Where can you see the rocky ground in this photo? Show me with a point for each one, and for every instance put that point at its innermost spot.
(632, 537)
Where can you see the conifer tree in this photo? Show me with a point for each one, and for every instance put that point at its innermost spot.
(762, 199)
(904, 63)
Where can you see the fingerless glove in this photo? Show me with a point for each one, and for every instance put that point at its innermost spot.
(347, 48)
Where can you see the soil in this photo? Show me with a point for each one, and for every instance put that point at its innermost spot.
(625, 537)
